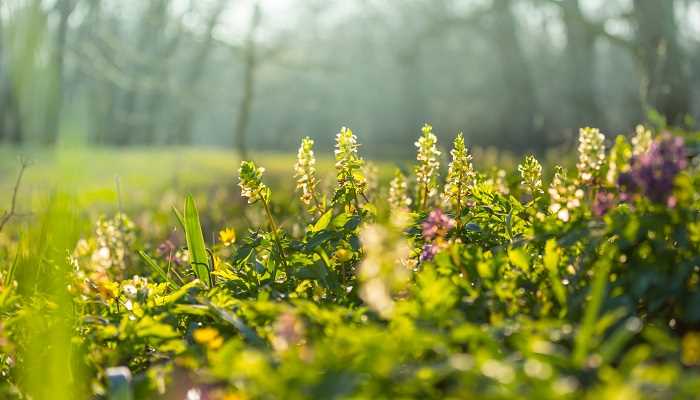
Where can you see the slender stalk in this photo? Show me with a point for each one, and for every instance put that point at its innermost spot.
(459, 205)
(317, 204)
(275, 235)
(7, 215)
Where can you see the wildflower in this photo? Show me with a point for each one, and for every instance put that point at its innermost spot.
(371, 173)
(690, 346)
(564, 195)
(166, 249)
(653, 173)
(348, 165)
(591, 152)
(250, 182)
(343, 255)
(398, 192)
(382, 271)
(376, 293)
(435, 230)
(531, 175)
(497, 181)
(82, 248)
(438, 224)
(289, 332)
(641, 142)
(427, 169)
(227, 236)
(129, 290)
(209, 337)
(109, 250)
(136, 288)
(460, 175)
(618, 162)
(305, 172)
(254, 189)
(171, 254)
(429, 251)
(603, 202)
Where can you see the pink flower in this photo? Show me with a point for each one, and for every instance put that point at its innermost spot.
(437, 225)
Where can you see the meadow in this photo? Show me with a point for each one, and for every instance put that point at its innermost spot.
(179, 273)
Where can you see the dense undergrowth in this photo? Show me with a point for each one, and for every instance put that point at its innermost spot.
(466, 285)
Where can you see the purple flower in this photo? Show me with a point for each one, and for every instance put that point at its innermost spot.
(429, 252)
(167, 251)
(653, 173)
(438, 224)
(602, 203)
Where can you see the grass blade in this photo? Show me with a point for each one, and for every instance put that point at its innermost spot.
(156, 267)
(179, 217)
(597, 293)
(195, 242)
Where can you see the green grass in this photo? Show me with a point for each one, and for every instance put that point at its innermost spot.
(91, 174)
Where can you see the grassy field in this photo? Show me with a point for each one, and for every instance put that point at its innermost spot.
(91, 174)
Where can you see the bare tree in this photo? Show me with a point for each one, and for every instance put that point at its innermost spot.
(7, 215)
(10, 117)
(183, 128)
(520, 109)
(64, 9)
(580, 59)
(250, 64)
(655, 47)
(666, 81)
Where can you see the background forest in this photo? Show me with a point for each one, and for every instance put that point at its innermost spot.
(257, 75)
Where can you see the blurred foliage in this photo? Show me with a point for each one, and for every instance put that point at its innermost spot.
(251, 74)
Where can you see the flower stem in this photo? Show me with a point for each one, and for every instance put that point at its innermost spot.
(275, 235)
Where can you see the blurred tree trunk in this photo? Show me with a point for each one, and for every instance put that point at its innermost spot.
(98, 89)
(666, 82)
(183, 128)
(519, 121)
(10, 117)
(580, 67)
(55, 99)
(133, 128)
(156, 99)
(414, 102)
(250, 65)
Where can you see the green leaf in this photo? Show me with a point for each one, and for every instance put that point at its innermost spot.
(179, 217)
(352, 223)
(519, 258)
(249, 334)
(323, 222)
(601, 272)
(176, 295)
(551, 264)
(159, 270)
(341, 219)
(10, 276)
(195, 242)
(318, 239)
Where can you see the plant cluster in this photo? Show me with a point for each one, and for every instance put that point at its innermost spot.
(502, 290)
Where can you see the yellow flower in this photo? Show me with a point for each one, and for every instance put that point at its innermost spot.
(209, 337)
(217, 263)
(233, 396)
(227, 236)
(691, 349)
(343, 255)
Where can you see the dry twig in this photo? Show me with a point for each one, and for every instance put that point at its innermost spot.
(8, 214)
